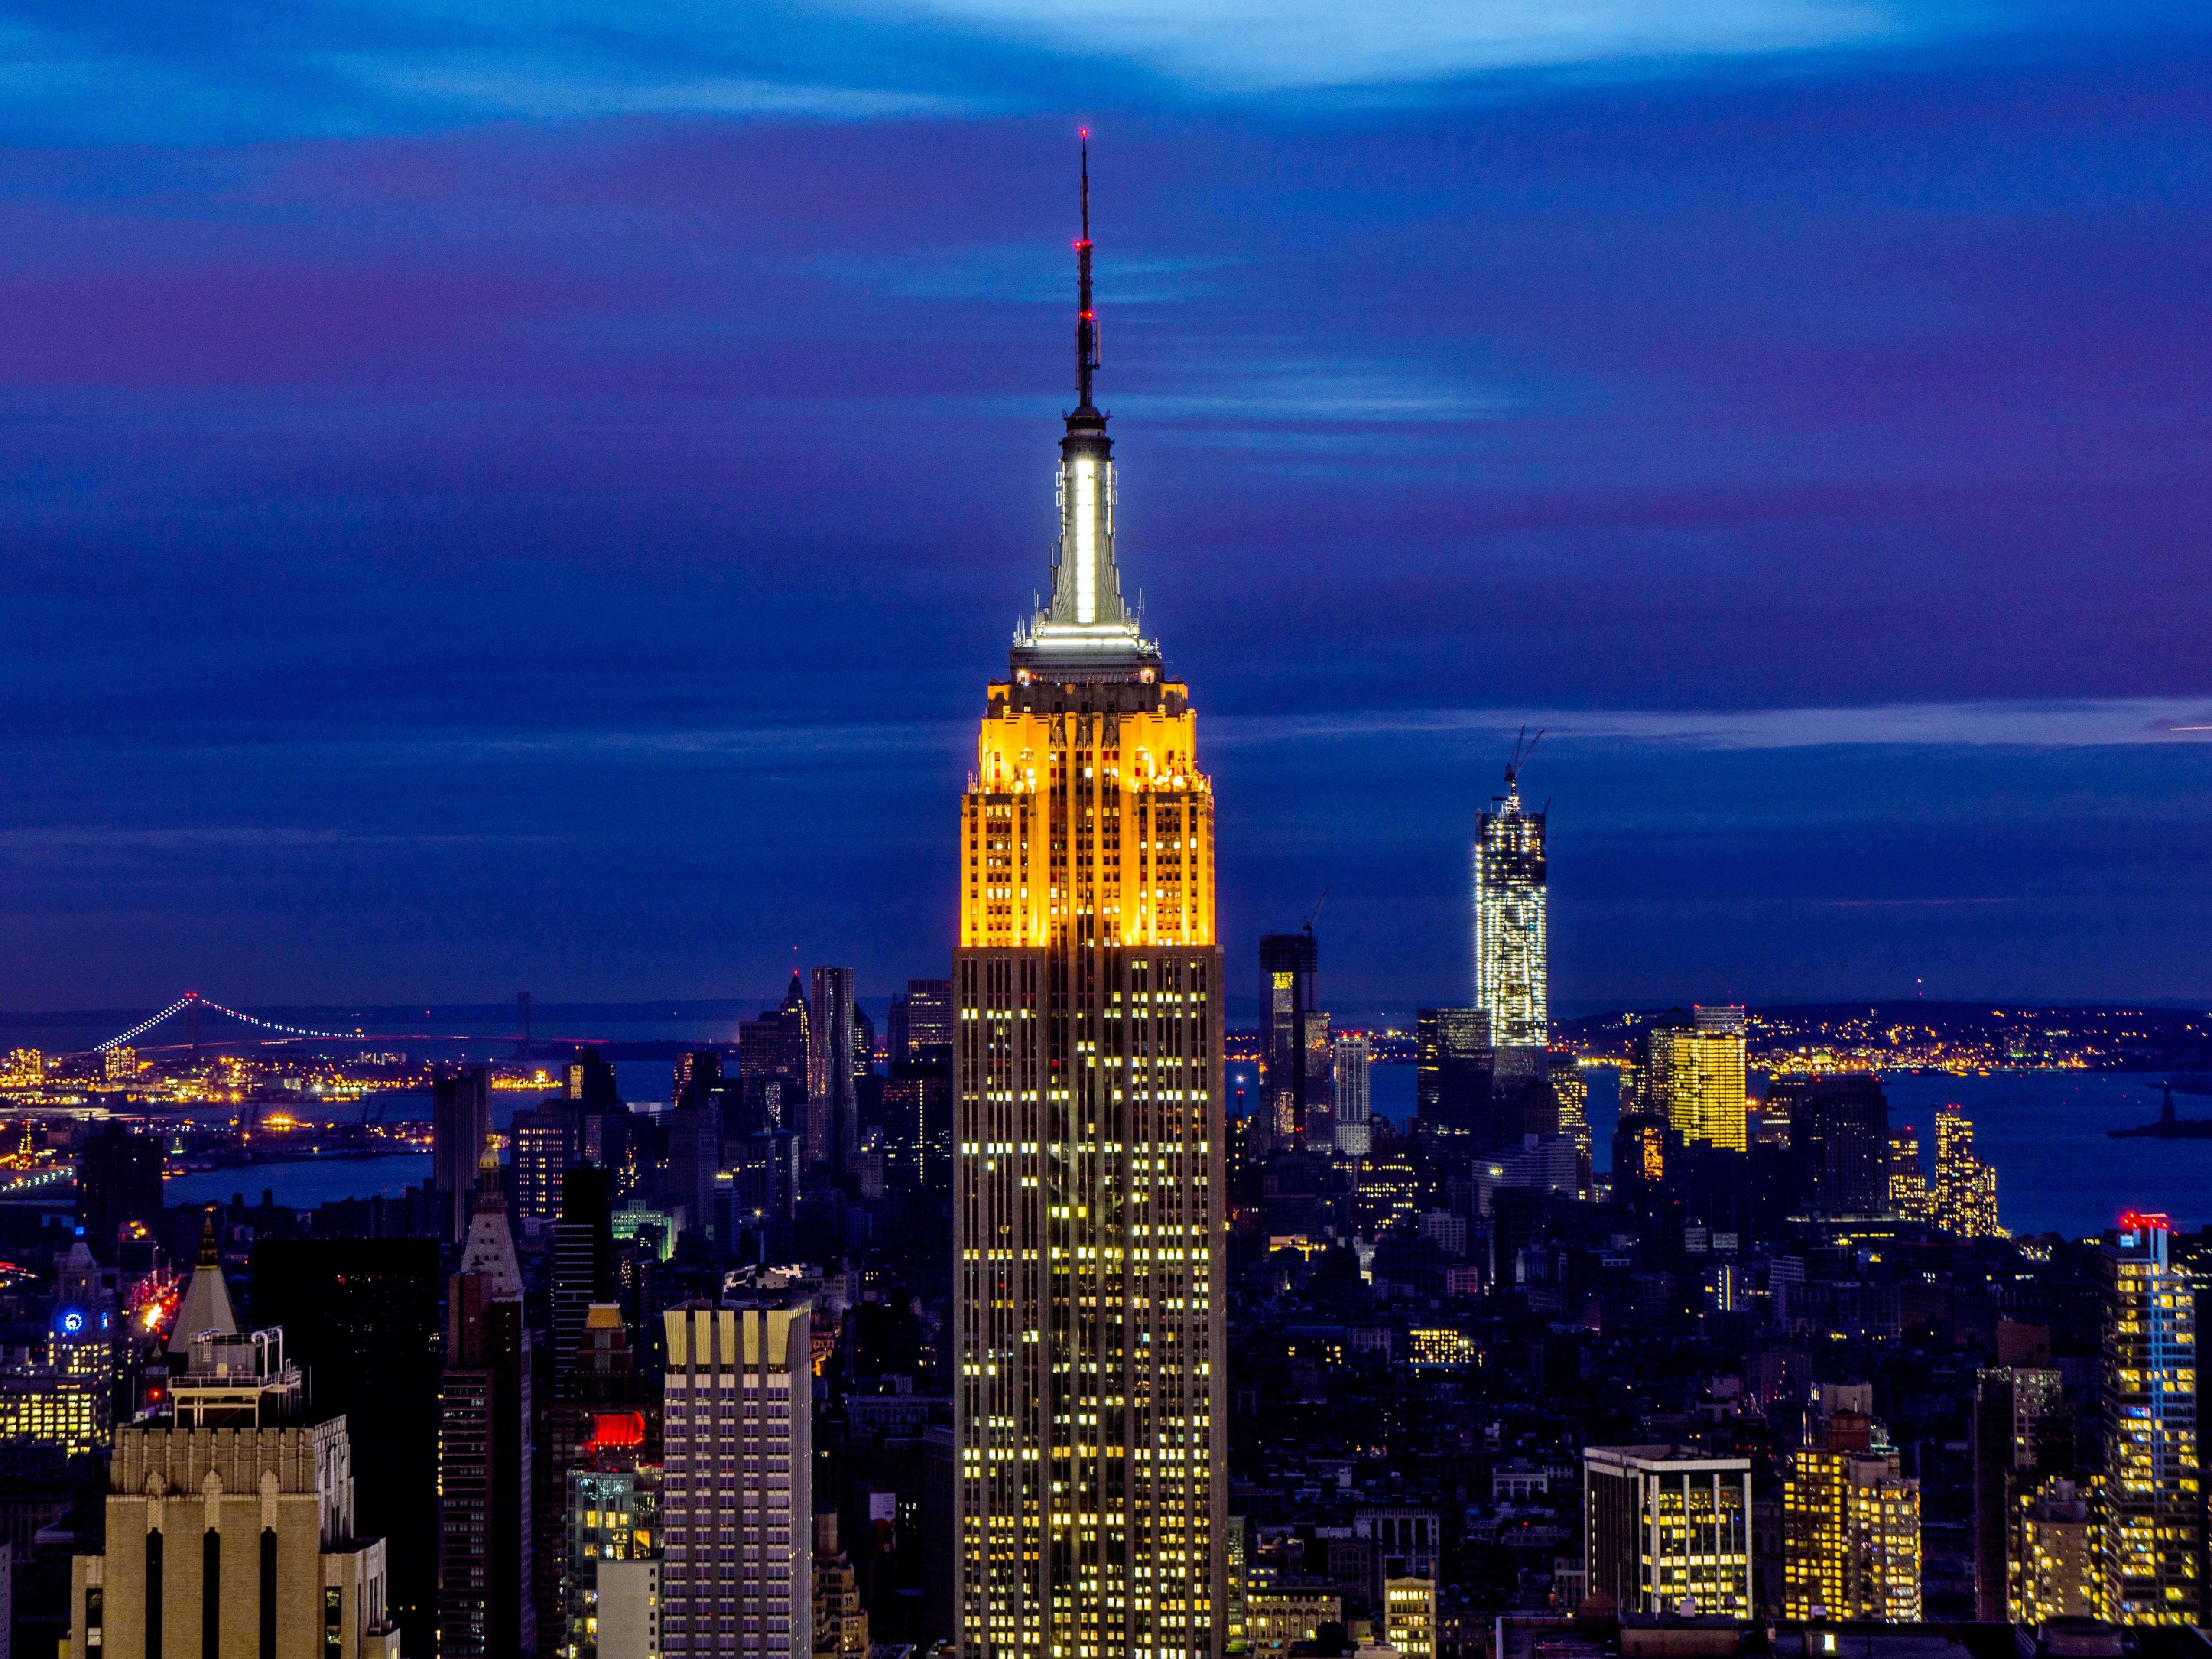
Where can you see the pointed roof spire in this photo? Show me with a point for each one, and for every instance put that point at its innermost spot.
(207, 1304)
(490, 1249)
(1087, 320)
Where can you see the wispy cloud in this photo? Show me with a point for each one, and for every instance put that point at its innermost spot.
(1272, 45)
(552, 90)
(1347, 391)
(2037, 724)
(221, 71)
(1907, 903)
(64, 844)
(798, 747)
(1036, 273)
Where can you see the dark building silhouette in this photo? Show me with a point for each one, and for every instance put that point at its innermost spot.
(695, 1154)
(460, 1123)
(486, 1582)
(1839, 1142)
(921, 1019)
(864, 1041)
(764, 1195)
(1453, 1063)
(832, 1105)
(360, 1319)
(119, 1180)
(696, 1073)
(592, 1083)
(1290, 966)
(583, 1255)
(917, 1120)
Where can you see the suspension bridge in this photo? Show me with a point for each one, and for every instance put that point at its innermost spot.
(189, 1005)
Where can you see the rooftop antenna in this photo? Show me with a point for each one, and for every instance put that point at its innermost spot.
(1086, 322)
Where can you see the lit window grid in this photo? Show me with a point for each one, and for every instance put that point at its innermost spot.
(737, 1576)
(2153, 1526)
(1511, 953)
(1088, 1206)
(1088, 827)
(1698, 1078)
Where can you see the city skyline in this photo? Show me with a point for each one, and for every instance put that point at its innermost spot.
(444, 551)
(513, 502)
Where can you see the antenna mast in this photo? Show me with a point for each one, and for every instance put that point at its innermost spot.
(1086, 322)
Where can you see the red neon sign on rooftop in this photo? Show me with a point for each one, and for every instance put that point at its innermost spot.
(616, 1430)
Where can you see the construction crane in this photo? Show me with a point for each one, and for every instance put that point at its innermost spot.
(1314, 915)
(1524, 747)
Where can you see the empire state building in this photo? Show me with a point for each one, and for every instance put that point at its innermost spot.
(1088, 1185)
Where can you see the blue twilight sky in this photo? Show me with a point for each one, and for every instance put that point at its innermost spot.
(503, 496)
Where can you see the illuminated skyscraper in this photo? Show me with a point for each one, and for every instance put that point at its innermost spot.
(1089, 1410)
(1691, 1072)
(1511, 971)
(1850, 1537)
(1349, 1082)
(1964, 1198)
(738, 1485)
(2153, 1528)
(1908, 1177)
(921, 1019)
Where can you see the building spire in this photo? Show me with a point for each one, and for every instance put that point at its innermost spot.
(1084, 630)
(1087, 320)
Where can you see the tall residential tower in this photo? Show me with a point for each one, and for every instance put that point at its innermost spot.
(2154, 1507)
(1089, 1413)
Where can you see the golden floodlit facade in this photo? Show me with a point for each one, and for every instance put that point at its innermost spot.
(1088, 1192)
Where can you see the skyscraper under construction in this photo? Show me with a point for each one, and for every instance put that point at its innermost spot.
(1087, 981)
(1511, 968)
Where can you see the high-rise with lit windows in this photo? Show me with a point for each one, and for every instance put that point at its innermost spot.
(1087, 981)
(1511, 964)
(1350, 1067)
(1850, 1537)
(1963, 1200)
(739, 1472)
(2153, 1529)
(1690, 1071)
(1663, 1525)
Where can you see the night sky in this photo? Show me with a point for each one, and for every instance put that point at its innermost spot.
(502, 496)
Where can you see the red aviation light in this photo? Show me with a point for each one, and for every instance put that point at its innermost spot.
(2136, 1221)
